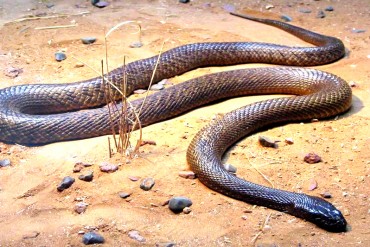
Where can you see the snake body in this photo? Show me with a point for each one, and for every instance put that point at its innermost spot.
(44, 113)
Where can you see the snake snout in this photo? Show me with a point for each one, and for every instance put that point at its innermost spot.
(321, 213)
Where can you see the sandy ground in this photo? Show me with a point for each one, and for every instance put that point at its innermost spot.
(33, 213)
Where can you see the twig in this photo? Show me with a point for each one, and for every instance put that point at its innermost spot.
(56, 27)
(46, 17)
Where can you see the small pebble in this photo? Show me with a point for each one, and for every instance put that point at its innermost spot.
(88, 176)
(187, 174)
(101, 4)
(147, 184)
(184, 1)
(4, 162)
(136, 44)
(320, 14)
(354, 30)
(66, 183)
(313, 184)
(289, 141)
(60, 56)
(92, 238)
(49, 5)
(230, 168)
(81, 207)
(157, 87)
(124, 195)
(269, 6)
(326, 195)
(186, 210)
(286, 18)
(312, 158)
(79, 65)
(133, 179)
(177, 204)
(305, 11)
(352, 84)
(136, 236)
(107, 167)
(30, 235)
(88, 40)
(166, 244)
(267, 142)
(13, 72)
(329, 8)
(140, 91)
(229, 7)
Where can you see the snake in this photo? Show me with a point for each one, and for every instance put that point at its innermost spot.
(37, 114)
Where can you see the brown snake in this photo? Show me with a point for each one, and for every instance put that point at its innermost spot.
(39, 114)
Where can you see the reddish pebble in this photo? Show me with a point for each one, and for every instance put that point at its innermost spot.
(312, 158)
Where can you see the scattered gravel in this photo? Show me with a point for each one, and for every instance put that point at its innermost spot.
(66, 183)
(177, 204)
(92, 238)
(147, 184)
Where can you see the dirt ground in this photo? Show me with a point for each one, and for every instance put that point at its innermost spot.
(33, 213)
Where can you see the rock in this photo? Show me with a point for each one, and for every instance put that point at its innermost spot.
(187, 174)
(30, 235)
(136, 236)
(13, 72)
(354, 30)
(107, 167)
(313, 184)
(230, 168)
(136, 44)
(286, 18)
(60, 56)
(81, 207)
(289, 141)
(165, 244)
(186, 210)
(133, 179)
(312, 158)
(5, 162)
(49, 5)
(101, 4)
(66, 183)
(184, 1)
(79, 65)
(329, 8)
(177, 204)
(88, 176)
(88, 40)
(320, 14)
(147, 184)
(269, 6)
(92, 238)
(267, 142)
(326, 195)
(157, 87)
(305, 11)
(124, 195)
(139, 91)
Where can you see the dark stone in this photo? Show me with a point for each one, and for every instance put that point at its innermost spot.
(329, 8)
(177, 204)
(65, 184)
(147, 184)
(101, 4)
(320, 14)
(286, 18)
(88, 176)
(60, 56)
(92, 238)
(88, 40)
(184, 1)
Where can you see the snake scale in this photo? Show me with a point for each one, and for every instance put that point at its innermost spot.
(45, 113)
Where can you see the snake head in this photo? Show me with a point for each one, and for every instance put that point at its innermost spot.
(321, 213)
